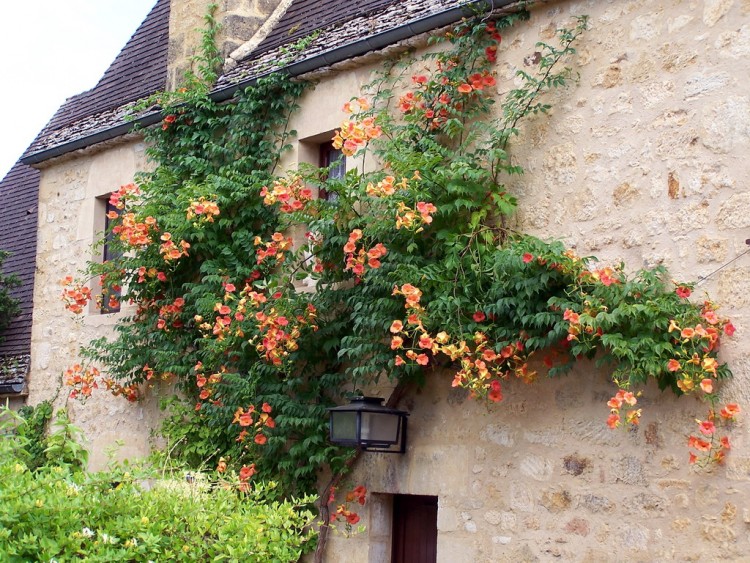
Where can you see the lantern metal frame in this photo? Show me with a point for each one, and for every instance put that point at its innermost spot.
(366, 413)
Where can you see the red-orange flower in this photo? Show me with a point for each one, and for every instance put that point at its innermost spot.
(729, 411)
(683, 291)
(495, 394)
(706, 427)
(247, 472)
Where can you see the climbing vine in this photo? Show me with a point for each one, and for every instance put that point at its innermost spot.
(8, 305)
(415, 265)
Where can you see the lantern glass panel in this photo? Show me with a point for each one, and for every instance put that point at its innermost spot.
(380, 428)
(344, 426)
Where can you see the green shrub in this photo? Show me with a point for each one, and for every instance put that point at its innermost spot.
(59, 512)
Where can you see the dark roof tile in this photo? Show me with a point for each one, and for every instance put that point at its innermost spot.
(13, 372)
(19, 192)
(332, 30)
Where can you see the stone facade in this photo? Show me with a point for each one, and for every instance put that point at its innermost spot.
(71, 215)
(641, 161)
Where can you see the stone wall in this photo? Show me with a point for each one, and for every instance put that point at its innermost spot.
(71, 214)
(643, 160)
(240, 20)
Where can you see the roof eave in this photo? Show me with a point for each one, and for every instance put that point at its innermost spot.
(328, 58)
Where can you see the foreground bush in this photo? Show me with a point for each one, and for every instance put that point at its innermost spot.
(59, 512)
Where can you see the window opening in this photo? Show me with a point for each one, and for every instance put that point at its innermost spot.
(332, 156)
(109, 295)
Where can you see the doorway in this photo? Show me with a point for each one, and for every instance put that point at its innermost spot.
(414, 529)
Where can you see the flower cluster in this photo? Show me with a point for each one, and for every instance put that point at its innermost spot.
(168, 121)
(477, 82)
(132, 232)
(616, 403)
(450, 89)
(343, 511)
(278, 337)
(355, 134)
(290, 192)
(606, 276)
(276, 248)
(246, 473)
(491, 51)
(75, 295)
(415, 218)
(120, 197)
(204, 209)
(170, 251)
(710, 446)
(171, 312)
(481, 365)
(83, 381)
(144, 273)
(386, 187)
(696, 364)
(357, 258)
(206, 383)
(111, 290)
(258, 420)
(130, 391)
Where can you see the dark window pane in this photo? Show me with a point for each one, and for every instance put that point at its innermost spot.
(109, 253)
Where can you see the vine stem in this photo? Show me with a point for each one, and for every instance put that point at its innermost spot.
(325, 512)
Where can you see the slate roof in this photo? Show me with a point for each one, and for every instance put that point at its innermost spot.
(343, 29)
(13, 372)
(139, 70)
(335, 26)
(18, 227)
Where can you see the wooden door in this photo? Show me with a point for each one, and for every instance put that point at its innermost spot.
(414, 529)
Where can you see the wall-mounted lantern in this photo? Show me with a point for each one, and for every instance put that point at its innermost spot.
(368, 425)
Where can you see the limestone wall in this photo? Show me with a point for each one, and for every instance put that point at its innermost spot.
(644, 160)
(240, 20)
(71, 213)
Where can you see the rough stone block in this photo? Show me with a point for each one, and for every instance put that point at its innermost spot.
(578, 526)
(575, 464)
(714, 10)
(556, 500)
(521, 498)
(646, 27)
(500, 435)
(726, 124)
(536, 467)
(645, 503)
(595, 503)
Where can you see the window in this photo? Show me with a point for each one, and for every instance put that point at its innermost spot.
(110, 302)
(414, 529)
(331, 156)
